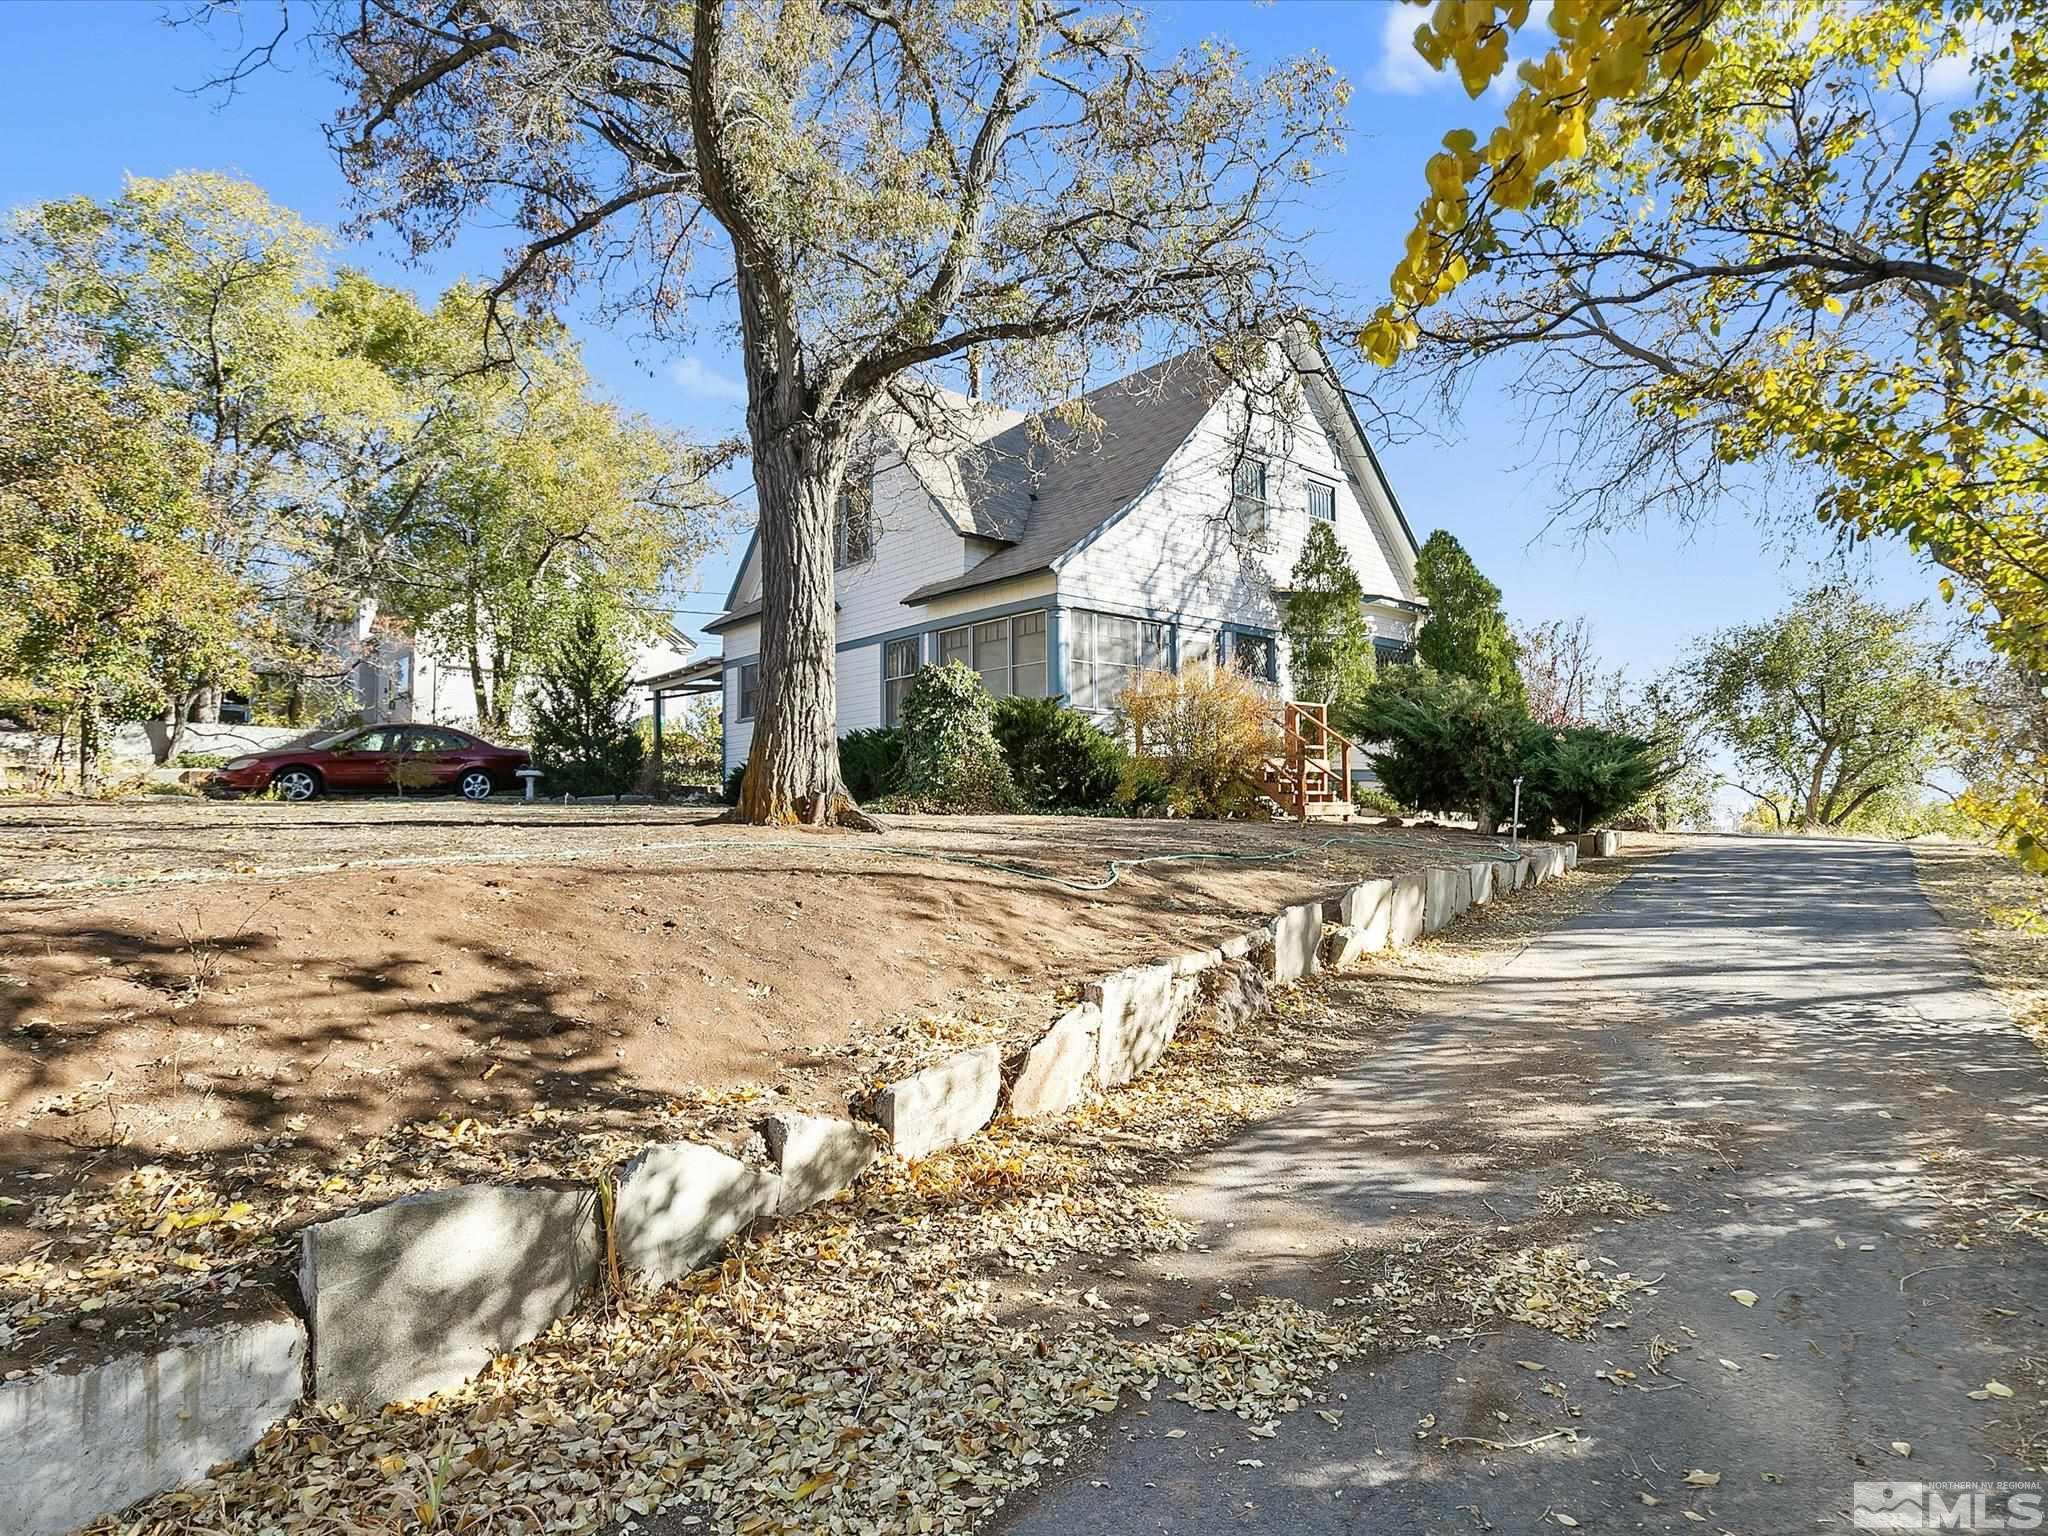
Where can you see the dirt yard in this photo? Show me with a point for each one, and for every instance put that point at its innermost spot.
(210, 1006)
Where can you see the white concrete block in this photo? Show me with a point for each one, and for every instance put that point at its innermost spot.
(1058, 1072)
(943, 1104)
(676, 1205)
(1439, 898)
(1407, 909)
(815, 1156)
(1482, 881)
(421, 1294)
(1297, 942)
(1141, 1006)
(81, 1442)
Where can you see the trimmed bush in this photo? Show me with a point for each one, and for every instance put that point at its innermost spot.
(1205, 733)
(1449, 744)
(871, 762)
(1584, 776)
(733, 783)
(1060, 760)
(951, 759)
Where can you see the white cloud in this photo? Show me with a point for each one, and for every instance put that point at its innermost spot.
(1954, 75)
(1404, 72)
(1401, 69)
(694, 379)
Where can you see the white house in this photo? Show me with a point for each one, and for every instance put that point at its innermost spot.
(1057, 563)
(402, 678)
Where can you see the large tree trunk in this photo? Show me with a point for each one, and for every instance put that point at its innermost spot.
(793, 766)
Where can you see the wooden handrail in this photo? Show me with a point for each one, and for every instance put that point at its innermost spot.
(1297, 759)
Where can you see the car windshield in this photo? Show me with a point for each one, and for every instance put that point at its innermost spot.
(331, 739)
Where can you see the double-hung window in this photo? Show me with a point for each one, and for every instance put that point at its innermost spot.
(1248, 496)
(1009, 653)
(1105, 652)
(750, 690)
(1322, 502)
(899, 666)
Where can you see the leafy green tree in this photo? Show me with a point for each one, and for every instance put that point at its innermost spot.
(513, 491)
(883, 193)
(583, 739)
(1466, 634)
(103, 567)
(1322, 619)
(199, 290)
(1829, 705)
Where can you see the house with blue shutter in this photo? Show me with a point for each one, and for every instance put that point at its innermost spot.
(1056, 555)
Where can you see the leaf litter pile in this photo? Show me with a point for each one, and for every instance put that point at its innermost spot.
(850, 1370)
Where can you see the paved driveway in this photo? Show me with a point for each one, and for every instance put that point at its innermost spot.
(1776, 1040)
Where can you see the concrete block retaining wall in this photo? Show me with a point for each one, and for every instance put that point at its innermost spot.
(412, 1297)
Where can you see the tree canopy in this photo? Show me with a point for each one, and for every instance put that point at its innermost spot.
(221, 454)
(1828, 705)
(1790, 251)
(1466, 634)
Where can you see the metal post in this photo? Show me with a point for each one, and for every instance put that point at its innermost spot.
(657, 744)
(1515, 823)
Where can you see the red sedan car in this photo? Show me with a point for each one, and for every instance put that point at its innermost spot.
(379, 759)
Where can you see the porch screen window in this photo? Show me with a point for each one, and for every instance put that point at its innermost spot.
(1254, 655)
(1248, 495)
(750, 689)
(1106, 650)
(1008, 653)
(899, 666)
(1322, 501)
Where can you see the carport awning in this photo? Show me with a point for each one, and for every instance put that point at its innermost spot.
(705, 676)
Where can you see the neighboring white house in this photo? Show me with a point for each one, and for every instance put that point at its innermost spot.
(1163, 541)
(401, 679)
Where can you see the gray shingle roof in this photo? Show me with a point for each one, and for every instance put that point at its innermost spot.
(1045, 485)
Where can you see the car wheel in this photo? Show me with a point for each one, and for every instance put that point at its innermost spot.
(476, 785)
(296, 783)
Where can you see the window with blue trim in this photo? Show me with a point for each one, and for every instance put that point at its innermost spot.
(1009, 653)
(899, 667)
(1105, 651)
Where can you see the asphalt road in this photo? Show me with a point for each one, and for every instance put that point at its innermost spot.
(1778, 1041)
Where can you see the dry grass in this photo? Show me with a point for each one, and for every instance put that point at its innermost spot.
(2000, 911)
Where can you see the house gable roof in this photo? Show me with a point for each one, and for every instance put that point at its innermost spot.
(1044, 485)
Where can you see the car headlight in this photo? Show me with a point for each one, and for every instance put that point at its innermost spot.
(238, 762)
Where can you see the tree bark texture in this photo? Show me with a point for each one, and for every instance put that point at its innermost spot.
(793, 767)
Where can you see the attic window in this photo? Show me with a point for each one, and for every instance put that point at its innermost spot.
(1248, 495)
(1322, 502)
(853, 533)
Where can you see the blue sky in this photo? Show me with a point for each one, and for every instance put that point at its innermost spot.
(96, 89)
